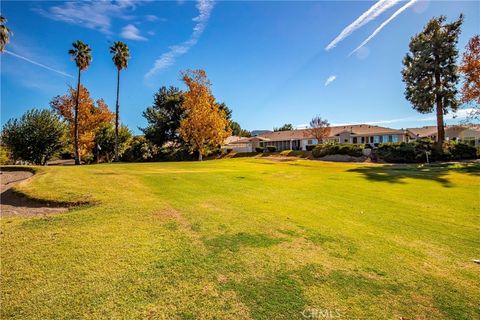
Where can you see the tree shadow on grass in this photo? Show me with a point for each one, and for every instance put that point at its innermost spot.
(435, 172)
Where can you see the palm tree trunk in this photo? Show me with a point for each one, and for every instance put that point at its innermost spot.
(116, 116)
(77, 153)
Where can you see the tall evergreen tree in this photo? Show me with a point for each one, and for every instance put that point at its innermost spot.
(430, 72)
(121, 54)
(164, 117)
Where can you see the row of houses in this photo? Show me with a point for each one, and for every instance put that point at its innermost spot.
(360, 133)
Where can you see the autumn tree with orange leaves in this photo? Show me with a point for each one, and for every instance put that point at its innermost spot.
(91, 116)
(470, 69)
(205, 126)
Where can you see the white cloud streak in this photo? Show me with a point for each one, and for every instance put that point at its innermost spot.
(132, 33)
(38, 64)
(330, 80)
(204, 7)
(95, 15)
(373, 12)
(151, 17)
(393, 16)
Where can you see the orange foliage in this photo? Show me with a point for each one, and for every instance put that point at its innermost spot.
(470, 68)
(204, 126)
(90, 117)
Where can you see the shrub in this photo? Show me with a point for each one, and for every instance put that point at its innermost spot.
(354, 150)
(36, 137)
(416, 151)
(459, 150)
(292, 153)
(229, 150)
(105, 138)
(310, 147)
(140, 149)
(5, 156)
(271, 148)
(321, 150)
(259, 149)
(398, 152)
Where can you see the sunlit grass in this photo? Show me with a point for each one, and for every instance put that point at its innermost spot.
(246, 238)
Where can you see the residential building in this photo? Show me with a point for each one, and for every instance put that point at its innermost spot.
(299, 139)
(242, 144)
(361, 133)
(465, 133)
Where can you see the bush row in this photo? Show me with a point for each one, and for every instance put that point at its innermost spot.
(267, 148)
(321, 150)
(418, 151)
(402, 152)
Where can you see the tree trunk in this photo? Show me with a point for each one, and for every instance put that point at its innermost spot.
(439, 105)
(440, 126)
(116, 116)
(200, 156)
(77, 153)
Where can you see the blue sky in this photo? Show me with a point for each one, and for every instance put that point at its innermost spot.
(270, 62)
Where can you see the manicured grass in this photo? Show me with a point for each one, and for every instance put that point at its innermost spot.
(247, 239)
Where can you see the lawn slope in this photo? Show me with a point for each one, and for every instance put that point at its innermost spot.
(246, 239)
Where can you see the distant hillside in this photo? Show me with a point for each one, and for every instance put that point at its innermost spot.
(259, 132)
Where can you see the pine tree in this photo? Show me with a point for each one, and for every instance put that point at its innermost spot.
(430, 72)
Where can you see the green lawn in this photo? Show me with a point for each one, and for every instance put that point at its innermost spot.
(247, 239)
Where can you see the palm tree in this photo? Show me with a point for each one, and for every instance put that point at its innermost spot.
(81, 53)
(121, 54)
(5, 33)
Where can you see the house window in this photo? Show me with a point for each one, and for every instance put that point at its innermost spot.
(362, 140)
(395, 138)
(354, 140)
(385, 139)
(310, 142)
(376, 139)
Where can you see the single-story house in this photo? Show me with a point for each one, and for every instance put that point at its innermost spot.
(242, 144)
(465, 133)
(361, 133)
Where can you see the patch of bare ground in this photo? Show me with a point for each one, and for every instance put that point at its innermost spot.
(15, 204)
(280, 158)
(185, 225)
(343, 158)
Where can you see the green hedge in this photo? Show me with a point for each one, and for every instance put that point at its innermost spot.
(321, 150)
(310, 147)
(400, 152)
(271, 148)
(412, 152)
(458, 151)
(259, 149)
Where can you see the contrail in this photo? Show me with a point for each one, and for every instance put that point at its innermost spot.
(38, 64)
(204, 7)
(409, 4)
(374, 11)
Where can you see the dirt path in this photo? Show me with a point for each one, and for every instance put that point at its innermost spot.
(12, 203)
